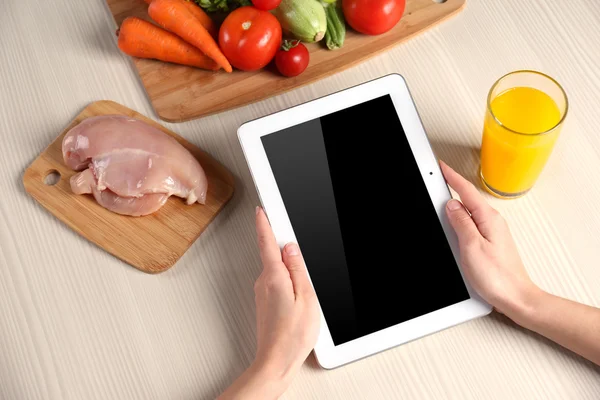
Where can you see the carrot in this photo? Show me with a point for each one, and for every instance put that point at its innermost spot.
(142, 39)
(204, 19)
(175, 17)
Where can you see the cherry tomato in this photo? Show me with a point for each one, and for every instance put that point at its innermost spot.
(373, 17)
(292, 58)
(266, 5)
(249, 38)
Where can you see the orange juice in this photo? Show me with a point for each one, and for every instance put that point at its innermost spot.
(518, 137)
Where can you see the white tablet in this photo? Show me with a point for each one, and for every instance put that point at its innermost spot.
(352, 179)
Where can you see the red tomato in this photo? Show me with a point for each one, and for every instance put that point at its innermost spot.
(292, 58)
(266, 4)
(249, 38)
(373, 17)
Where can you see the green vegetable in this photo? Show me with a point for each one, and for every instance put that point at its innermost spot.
(304, 20)
(336, 26)
(222, 5)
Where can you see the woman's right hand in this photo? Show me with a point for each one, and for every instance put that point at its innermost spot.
(492, 265)
(488, 253)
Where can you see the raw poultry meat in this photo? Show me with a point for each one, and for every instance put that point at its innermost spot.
(85, 182)
(130, 167)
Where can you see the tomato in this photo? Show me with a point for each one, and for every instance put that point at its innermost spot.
(266, 4)
(373, 17)
(292, 58)
(249, 38)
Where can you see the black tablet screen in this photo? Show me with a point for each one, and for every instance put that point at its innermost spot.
(369, 234)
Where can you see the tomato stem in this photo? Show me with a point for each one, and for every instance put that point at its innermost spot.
(287, 45)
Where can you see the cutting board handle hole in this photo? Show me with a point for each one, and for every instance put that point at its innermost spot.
(439, 1)
(52, 177)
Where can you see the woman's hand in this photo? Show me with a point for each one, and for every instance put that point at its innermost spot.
(287, 312)
(492, 265)
(287, 319)
(488, 253)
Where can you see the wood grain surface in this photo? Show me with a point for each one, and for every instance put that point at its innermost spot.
(77, 323)
(153, 243)
(180, 93)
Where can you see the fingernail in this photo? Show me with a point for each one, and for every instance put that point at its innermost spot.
(454, 205)
(257, 210)
(292, 249)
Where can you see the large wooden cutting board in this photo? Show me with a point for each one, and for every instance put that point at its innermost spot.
(180, 93)
(152, 243)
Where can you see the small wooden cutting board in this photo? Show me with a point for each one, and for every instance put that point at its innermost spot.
(179, 93)
(152, 243)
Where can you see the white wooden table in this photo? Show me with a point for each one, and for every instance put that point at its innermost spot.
(76, 323)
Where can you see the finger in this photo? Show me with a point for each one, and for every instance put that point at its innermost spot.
(269, 250)
(295, 265)
(461, 221)
(480, 211)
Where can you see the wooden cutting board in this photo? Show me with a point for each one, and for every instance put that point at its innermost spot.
(180, 93)
(152, 243)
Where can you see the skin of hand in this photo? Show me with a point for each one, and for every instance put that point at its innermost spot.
(488, 254)
(287, 319)
(493, 267)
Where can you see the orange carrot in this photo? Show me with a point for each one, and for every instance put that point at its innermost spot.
(142, 39)
(204, 19)
(175, 17)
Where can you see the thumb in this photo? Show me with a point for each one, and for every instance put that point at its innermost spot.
(295, 265)
(461, 221)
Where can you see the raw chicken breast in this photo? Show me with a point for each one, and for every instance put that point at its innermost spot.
(85, 182)
(129, 166)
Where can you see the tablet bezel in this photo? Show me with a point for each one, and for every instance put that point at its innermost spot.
(328, 355)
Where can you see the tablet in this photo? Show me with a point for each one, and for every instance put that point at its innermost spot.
(352, 179)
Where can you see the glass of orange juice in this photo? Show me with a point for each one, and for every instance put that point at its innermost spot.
(525, 113)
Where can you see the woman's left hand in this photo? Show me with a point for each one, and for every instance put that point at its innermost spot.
(287, 319)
